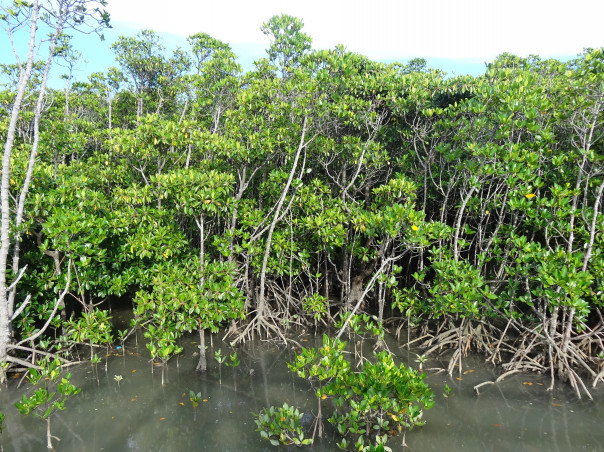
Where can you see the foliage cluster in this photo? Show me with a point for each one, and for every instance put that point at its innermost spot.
(52, 389)
(370, 400)
(372, 403)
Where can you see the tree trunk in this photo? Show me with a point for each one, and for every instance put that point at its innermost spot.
(200, 225)
(356, 289)
(48, 435)
(202, 365)
(5, 187)
(261, 303)
(139, 107)
(110, 115)
(458, 222)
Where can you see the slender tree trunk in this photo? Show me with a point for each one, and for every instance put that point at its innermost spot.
(593, 227)
(48, 435)
(32, 158)
(5, 312)
(458, 223)
(110, 115)
(381, 300)
(200, 225)
(202, 365)
(261, 303)
(188, 161)
(139, 107)
(65, 120)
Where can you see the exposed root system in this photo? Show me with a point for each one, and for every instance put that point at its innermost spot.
(544, 348)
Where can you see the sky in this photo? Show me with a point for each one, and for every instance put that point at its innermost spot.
(385, 29)
(458, 36)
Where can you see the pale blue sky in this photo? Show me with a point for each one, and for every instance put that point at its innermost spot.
(454, 35)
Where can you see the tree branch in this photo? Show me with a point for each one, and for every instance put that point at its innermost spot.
(58, 302)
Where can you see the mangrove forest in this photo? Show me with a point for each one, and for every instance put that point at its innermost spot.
(321, 192)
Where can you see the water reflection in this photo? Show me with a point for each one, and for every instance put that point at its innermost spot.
(141, 414)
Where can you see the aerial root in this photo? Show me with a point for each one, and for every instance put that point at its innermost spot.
(260, 325)
(598, 377)
(538, 349)
(462, 338)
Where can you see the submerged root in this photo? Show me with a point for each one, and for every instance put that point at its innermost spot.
(500, 378)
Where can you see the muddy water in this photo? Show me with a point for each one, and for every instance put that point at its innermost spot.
(142, 414)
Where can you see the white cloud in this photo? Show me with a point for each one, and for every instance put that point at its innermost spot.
(381, 29)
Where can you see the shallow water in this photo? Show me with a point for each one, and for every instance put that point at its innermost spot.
(141, 414)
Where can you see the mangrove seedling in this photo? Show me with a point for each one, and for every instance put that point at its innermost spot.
(218, 357)
(234, 360)
(281, 425)
(52, 389)
(363, 326)
(122, 335)
(93, 328)
(234, 363)
(96, 360)
(118, 378)
(194, 398)
(421, 359)
(372, 403)
(315, 306)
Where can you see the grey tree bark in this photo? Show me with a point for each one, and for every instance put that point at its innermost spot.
(58, 14)
(261, 303)
(5, 221)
